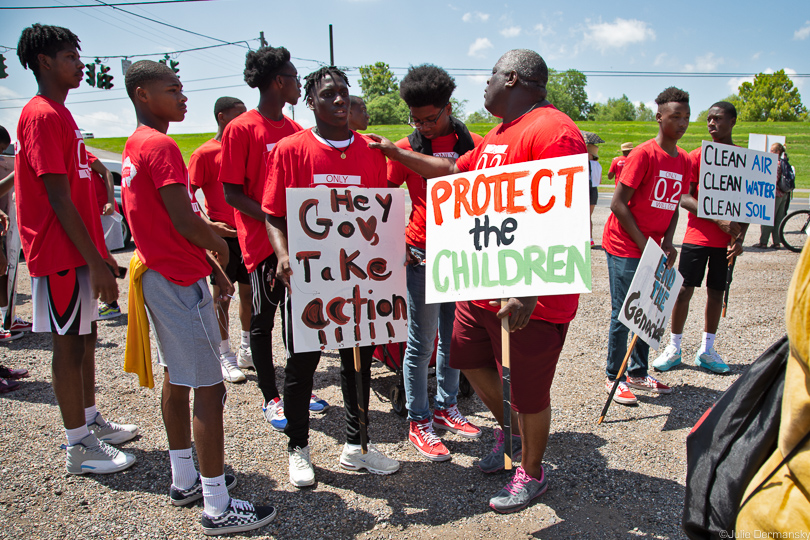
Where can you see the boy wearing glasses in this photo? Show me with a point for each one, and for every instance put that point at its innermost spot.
(426, 90)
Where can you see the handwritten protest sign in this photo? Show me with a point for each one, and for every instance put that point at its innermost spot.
(651, 296)
(347, 253)
(515, 230)
(736, 184)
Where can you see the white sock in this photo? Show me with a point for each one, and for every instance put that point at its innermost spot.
(75, 436)
(90, 415)
(245, 339)
(224, 346)
(184, 473)
(215, 495)
(3, 311)
(675, 340)
(708, 342)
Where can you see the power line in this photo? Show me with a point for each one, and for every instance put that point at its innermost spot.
(111, 5)
(172, 52)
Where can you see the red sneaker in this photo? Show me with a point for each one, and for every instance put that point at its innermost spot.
(455, 422)
(648, 383)
(21, 325)
(623, 394)
(5, 335)
(424, 439)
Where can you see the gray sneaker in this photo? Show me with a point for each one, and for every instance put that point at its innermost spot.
(112, 433)
(494, 461)
(374, 461)
(94, 456)
(518, 493)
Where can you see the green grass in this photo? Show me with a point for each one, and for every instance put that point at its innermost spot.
(614, 134)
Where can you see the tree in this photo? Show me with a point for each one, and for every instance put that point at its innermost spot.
(387, 109)
(482, 116)
(771, 97)
(644, 113)
(615, 110)
(566, 91)
(377, 80)
(734, 99)
(459, 108)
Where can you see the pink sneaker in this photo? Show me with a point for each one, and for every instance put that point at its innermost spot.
(455, 422)
(623, 394)
(648, 383)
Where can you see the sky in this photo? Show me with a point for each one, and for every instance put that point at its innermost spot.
(732, 39)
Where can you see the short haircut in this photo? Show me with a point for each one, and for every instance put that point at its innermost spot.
(225, 103)
(42, 39)
(529, 65)
(426, 85)
(142, 72)
(5, 138)
(672, 95)
(727, 107)
(319, 74)
(262, 65)
(356, 100)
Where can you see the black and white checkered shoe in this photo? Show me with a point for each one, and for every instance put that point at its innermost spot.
(184, 497)
(239, 517)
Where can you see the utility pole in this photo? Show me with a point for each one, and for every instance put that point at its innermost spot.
(262, 41)
(331, 48)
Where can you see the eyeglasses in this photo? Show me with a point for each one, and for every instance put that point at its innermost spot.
(427, 123)
(296, 77)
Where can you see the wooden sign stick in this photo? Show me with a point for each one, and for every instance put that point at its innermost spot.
(618, 377)
(361, 403)
(507, 392)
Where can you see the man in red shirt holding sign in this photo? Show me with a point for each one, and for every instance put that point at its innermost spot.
(64, 248)
(532, 129)
(645, 205)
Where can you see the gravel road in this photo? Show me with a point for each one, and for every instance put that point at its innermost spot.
(623, 479)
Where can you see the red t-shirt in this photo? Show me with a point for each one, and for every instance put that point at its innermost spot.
(417, 187)
(49, 142)
(152, 160)
(203, 171)
(616, 167)
(245, 144)
(99, 186)
(659, 180)
(304, 160)
(542, 133)
(699, 231)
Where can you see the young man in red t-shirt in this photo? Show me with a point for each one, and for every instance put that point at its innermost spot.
(328, 150)
(203, 170)
(246, 142)
(61, 237)
(427, 89)
(618, 162)
(707, 242)
(177, 249)
(532, 129)
(645, 205)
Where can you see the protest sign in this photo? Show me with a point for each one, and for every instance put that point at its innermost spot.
(347, 254)
(651, 296)
(509, 231)
(736, 184)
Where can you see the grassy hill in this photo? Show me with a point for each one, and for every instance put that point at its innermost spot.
(797, 135)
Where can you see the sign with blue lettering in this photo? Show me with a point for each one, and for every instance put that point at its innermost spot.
(651, 296)
(736, 184)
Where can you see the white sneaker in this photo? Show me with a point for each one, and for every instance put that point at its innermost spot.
(93, 456)
(668, 359)
(301, 472)
(111, 432)
(230, 372)
(374, 461)
(244, 358)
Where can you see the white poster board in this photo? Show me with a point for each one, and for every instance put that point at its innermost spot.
(509, 231)
(736, 184)
(651, 296)
(347, 253)
(758, 141)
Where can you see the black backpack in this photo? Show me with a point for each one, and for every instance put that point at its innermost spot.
(730, 443)
(787, 177)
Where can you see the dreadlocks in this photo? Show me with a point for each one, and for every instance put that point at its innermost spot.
(41, 39)
(317, 76)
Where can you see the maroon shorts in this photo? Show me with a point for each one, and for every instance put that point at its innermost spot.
(533, 352)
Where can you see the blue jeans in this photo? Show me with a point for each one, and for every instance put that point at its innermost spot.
(620, 275)
(423, 321)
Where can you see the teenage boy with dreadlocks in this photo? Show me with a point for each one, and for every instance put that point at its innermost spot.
(329, 149)
(63, 242)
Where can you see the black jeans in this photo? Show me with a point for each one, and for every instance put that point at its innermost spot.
(265, 302)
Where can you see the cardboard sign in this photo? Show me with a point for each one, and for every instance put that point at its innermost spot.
(347, 253)
(736, 184)
(651, 296)
(509, 231)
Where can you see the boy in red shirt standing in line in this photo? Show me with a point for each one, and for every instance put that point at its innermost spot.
(618, 162)
(246, 141)
(330, 149)
(174, 244)
(61, 236)
(645, 205)
(203, 170)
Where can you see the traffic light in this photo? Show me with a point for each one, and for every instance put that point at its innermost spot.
(104, 79)
(91, 74)
(3, 67)
(167, 61)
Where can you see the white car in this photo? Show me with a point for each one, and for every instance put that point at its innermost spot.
(86, 134)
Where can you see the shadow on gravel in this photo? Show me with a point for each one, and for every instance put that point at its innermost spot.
(122, 320)
(588, 496)
(32, 391)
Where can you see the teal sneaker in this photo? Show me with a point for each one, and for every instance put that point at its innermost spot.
(711, 360)
(670, 358)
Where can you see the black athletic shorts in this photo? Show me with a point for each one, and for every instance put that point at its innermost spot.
(236, 270)
(693, 262)
(594, 195)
